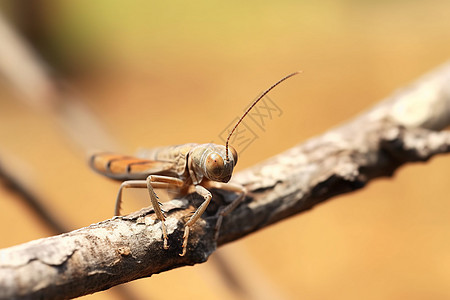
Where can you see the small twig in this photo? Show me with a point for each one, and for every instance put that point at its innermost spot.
(402, 129)
(14, 181)
(37, 86)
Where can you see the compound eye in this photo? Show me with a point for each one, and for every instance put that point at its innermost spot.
(234, 153)
(214, 165)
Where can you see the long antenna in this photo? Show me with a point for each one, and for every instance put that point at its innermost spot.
(251, 106)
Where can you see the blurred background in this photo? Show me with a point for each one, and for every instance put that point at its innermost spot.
(76, 76)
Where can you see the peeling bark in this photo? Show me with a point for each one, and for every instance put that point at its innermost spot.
(404, 128)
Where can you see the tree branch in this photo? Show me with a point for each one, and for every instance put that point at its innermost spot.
(403, 128)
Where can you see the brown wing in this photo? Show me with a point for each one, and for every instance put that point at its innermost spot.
(176, 154)
(122, 167)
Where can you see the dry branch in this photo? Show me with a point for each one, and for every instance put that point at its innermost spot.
(404, 128)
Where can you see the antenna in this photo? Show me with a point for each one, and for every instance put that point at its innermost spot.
(251, 106)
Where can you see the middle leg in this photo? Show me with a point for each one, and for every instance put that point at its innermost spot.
(158, 181)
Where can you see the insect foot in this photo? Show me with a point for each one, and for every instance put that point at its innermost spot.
(185, 240)
(164, 234)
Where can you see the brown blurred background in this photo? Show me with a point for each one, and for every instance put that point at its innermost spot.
(155, 73)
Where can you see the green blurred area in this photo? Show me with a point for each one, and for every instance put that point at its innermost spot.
(89, 35)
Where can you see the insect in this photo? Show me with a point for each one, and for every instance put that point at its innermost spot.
(188, 168)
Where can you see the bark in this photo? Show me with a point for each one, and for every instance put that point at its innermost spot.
(404, 128)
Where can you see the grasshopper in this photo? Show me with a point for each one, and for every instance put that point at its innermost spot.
(189, 168)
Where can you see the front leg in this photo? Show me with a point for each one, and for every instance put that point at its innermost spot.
(230, 207)
(197, 214)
